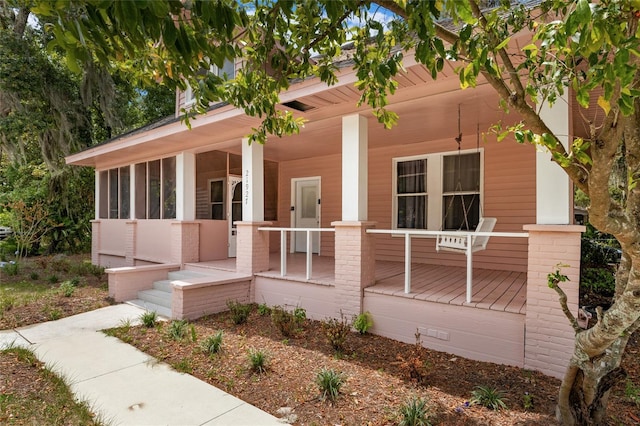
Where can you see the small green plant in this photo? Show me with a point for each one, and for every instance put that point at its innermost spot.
(34, 276)
(239, 311)
(288, 322)
(336, 332)
(7, 302)
(527, 401)
(183, 366)
(53, 313)
(414, 412)
(263, 309)
(258, 360)
(194, 335)
(53, 279)
(362, 322)
(67, 288)
(212, 344)
(329, 382)
(177, 329)
(149, 319)
(488, 397)
(632, 392)
(75, 281)
(11, 269)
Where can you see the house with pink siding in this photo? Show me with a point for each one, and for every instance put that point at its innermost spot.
(346, 217)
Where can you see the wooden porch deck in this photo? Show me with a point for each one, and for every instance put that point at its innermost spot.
(492, 289)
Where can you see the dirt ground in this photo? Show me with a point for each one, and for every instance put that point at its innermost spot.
(377, 371)
(377, 375)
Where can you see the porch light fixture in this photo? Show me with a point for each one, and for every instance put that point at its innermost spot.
(297, 105)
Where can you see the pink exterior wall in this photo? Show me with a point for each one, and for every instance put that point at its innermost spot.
(113, 237)
(214, 240)
(191, 301)
(509, 195)
(473, 333)
(126, 282)
(318, 300)
(550, 338)
(154, 240)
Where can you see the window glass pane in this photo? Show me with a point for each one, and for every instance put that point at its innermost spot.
(217, 191)
(154, 190)
(270, 190)
(236, 204)
(125, 193)
(169, 188)
(228, 70)
(104, 195)
(141, 191)
(113, 194)
(412, 176)
(217, 211)
(461, 212)
(309, 200)
(412, 212)
(463, 169)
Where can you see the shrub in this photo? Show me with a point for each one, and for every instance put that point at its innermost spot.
(53, 279)
(598, 280)
(413, 413)
(239, 311)
(263, 309)
(34, 276)
(414, 366)
(213, 344)
(287, 322)
(149, 319)
(329, 382)
(258, 360)
(60, 264)
(488, 397)
(11, 268)
(75, 281)
(67, 288)
(362, 322)
(177, 329)
(336, 332)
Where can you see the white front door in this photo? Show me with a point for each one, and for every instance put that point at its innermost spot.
(234, 210)
(306, 212)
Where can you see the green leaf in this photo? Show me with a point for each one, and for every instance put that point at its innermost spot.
(504, 43)
(604, 104)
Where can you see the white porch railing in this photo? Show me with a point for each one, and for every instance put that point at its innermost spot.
(409, 233)
(283, 246)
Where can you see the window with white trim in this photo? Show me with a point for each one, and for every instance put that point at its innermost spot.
(438, 191)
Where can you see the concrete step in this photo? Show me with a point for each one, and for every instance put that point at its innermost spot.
(162, 285)
(185, 275)
(157, 297)
(152, 307)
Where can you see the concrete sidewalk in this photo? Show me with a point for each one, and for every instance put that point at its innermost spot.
(120, 383)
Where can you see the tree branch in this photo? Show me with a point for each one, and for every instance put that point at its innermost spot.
(553, 280)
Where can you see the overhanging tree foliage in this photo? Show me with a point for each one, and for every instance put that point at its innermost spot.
(587, 48)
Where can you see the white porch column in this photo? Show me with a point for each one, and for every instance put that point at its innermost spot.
(96, 203)
(252, 181)
(553, 186)
(186, 186)
(132, 191)
(354, 168)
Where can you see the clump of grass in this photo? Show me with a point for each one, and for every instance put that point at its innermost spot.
(488, 397)
(329, 382)
(213, 344)
(258, 360)
(7, 302)
(149, 319)
(53, 279)
(414, 412)
(183, 366)
(239, 311)
(11, 269)
(362, 322)
(34, 276)
(632, 392)
(67, 288)
(336, 332)
(288, 322)
(264, 310)
(177, 329)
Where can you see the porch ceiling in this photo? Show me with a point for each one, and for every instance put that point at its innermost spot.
(428, 110)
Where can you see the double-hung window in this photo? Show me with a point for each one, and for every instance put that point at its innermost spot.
(437, 191)
(226, 72)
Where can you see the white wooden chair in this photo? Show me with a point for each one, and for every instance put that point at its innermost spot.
(458, 244)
